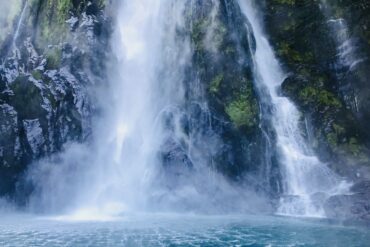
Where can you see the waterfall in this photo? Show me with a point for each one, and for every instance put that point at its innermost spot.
(152, 141)
(307, 182)
(147, 86)
(20, 22)
(348, 56)
(13, 48)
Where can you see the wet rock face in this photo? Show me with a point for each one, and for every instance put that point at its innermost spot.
(326, 62)
(10, 146)
(351, 21)
(45, 96)
(222, 62)
(355, 206)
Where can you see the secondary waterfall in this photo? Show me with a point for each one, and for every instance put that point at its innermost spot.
(349, 57)
(307, 181)
(13, 48)
(20, 22)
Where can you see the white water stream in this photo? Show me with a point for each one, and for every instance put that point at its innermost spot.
(349, 56)
(347, 50)
(20, 22)
(307, 181)
(13, 48)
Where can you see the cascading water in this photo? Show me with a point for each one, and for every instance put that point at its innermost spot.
(147, 153)
(128, 135)
(175, 154)
(153, 143)
(13, 47)
(20, 22)
(146, 87)
(307, 181)
(348, 56)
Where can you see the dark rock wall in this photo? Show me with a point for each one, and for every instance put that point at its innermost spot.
(46, 74)
(222, 62)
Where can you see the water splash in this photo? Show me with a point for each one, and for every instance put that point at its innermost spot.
(307, 181)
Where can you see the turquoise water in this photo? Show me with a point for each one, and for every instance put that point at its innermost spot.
(167, 230)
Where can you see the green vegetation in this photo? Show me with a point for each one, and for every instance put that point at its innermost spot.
(242, 112)
(243, 109)
(37, 75)
(198, 33)
(293, 55)
(288, 2)
(229, 82)
(215, 83)
(53, 28)
(314, 95)
(204, 37)
(63, 7)
(101, 3)
(53, 58)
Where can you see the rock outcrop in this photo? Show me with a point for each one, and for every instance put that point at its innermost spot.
(48, 65)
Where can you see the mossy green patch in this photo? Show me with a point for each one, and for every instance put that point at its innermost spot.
(242, 112)
(198, 33)
(312, 95)
(53, 58)
(287, 2)
(215, 83)
(293, 55)
(37, 74)
(53, 28)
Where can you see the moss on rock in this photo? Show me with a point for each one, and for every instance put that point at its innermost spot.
(242, 112)
(27, 99)
(305, 45)
(53, 58)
